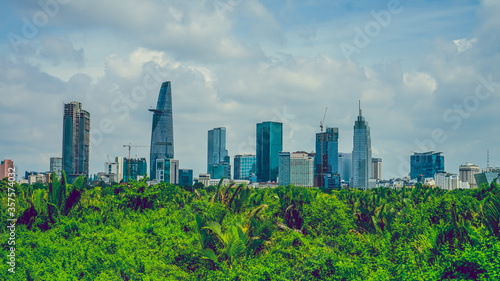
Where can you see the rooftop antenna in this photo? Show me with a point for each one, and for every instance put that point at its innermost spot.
(488, 158)
(359, 107)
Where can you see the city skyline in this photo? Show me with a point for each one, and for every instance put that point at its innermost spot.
(427, 78)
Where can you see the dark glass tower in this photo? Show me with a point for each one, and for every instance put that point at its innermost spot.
(426, 164)
(362, 153)
(162, 133)
(326, 162)
(269, 145)
(76, 141)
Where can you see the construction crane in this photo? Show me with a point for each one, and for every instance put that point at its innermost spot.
(128, 162)
(321, 124)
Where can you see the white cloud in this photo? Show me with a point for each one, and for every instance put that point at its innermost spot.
(464, 44)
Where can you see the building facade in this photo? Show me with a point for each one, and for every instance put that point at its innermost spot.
(284, 168)
(76, 141)
(447, 181)
(345, 167)
(6, 167)
(269, 145)
(327, 156)
(361, 154)
(138, 168)
(185, 177)
(167, 170)
(217, 171)
(217, 153)
(467, 173)
(377, 168)
(116, 168)
(487, 176)
(426, 164)
(56, 165)
(302, 169)
(162, 132)
(244, 166)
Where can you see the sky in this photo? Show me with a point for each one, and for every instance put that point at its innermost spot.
(426, 73)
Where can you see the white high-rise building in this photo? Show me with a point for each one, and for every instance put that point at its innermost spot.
(115, 168)
(301, 169)
(449, 181)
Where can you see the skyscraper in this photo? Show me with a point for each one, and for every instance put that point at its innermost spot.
(218, 161)
(76, 141)
(269, 145)
(345, 166)
(302, 168)
(361, 153)
(284, 168)
(426, 164)
(327, 156)
(244, 166)
(162, 132)
(138, 168)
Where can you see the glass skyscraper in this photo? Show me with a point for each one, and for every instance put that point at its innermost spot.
(284, 169)
(162, 133)
(138, 167)
(76, 141)
(244, 166)
(327, 156)
(218, 165)
(362, 153)
(269, 145)
(345, 167)
(426, 164)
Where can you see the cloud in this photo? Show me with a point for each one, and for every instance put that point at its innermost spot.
(464, 44)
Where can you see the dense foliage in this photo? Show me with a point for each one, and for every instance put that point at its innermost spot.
(167, 232)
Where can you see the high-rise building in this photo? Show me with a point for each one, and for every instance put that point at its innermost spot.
(296, 168)
(218, 161)
(377, 168)
(302, 169)
(467, 173)
(426, 164)
(56, 165)
(361, 153)
(138, 168)
(76, 141)
(269, 145)
(167, 170)
(217, 171)
(118, 169)
(327, 156)
(162, 133)
(345, 166)
(244, 166)
(185, 177)
(6, 167)
(284, 168)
